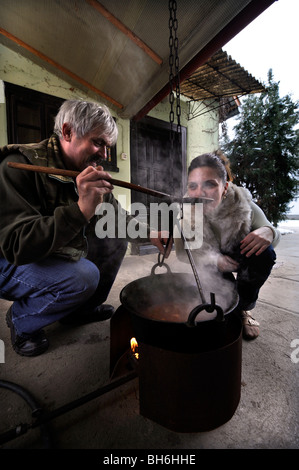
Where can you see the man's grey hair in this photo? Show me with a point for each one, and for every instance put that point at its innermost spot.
(85, 117)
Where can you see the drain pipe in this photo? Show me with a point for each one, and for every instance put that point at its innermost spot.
(36, 412)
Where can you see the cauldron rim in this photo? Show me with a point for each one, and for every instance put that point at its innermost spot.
(182, 276)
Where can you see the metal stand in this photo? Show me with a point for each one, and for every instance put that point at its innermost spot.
(43, 418)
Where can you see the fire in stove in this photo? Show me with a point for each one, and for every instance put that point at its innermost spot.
(134, 347)
(189, 377)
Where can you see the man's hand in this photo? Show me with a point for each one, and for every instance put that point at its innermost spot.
(257, 241)
(159, 239)
(91, 189)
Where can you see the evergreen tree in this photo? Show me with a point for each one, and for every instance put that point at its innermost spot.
(264, 151)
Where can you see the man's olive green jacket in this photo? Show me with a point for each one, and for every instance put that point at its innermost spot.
(39, 214)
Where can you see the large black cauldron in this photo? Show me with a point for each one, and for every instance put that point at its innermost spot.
(189, 371)
(161, 306)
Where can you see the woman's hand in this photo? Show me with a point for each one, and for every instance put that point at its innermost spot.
(226, 264)
(91, 189)
(257, 241)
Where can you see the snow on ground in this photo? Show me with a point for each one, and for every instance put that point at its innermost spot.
(288, 226)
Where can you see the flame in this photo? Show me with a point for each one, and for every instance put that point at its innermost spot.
(134, 347)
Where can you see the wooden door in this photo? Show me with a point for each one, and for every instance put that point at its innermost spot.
(156, 164)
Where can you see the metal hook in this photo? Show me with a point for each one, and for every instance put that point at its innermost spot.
(208, 308)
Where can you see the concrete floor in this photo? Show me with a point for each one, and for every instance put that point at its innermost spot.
(77, 363)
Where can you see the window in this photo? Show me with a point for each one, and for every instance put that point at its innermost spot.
(110, 164)
(30, 118)
(30, 114)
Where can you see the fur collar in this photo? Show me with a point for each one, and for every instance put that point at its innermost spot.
(231, 221)
(222, 230)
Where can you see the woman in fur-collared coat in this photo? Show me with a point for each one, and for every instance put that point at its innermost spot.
(237, 237)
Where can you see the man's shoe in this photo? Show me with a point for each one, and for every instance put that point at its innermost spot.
(32, 344)
(100, 313)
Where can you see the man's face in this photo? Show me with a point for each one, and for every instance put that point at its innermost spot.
(90, 149)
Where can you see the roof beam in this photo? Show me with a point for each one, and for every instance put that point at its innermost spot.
(47, 59)
(123, 28)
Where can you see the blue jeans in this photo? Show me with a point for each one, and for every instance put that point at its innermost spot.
(46, 291)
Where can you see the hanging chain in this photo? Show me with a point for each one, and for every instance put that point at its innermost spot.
(174, 68)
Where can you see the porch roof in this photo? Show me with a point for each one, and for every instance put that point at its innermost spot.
(220, 77)
(119, 51)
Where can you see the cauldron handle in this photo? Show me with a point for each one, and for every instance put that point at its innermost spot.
(160, 265)
(209, 308)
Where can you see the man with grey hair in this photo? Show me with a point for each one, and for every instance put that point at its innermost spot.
(52, 265)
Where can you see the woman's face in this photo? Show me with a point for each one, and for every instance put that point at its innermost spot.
(205, 182)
